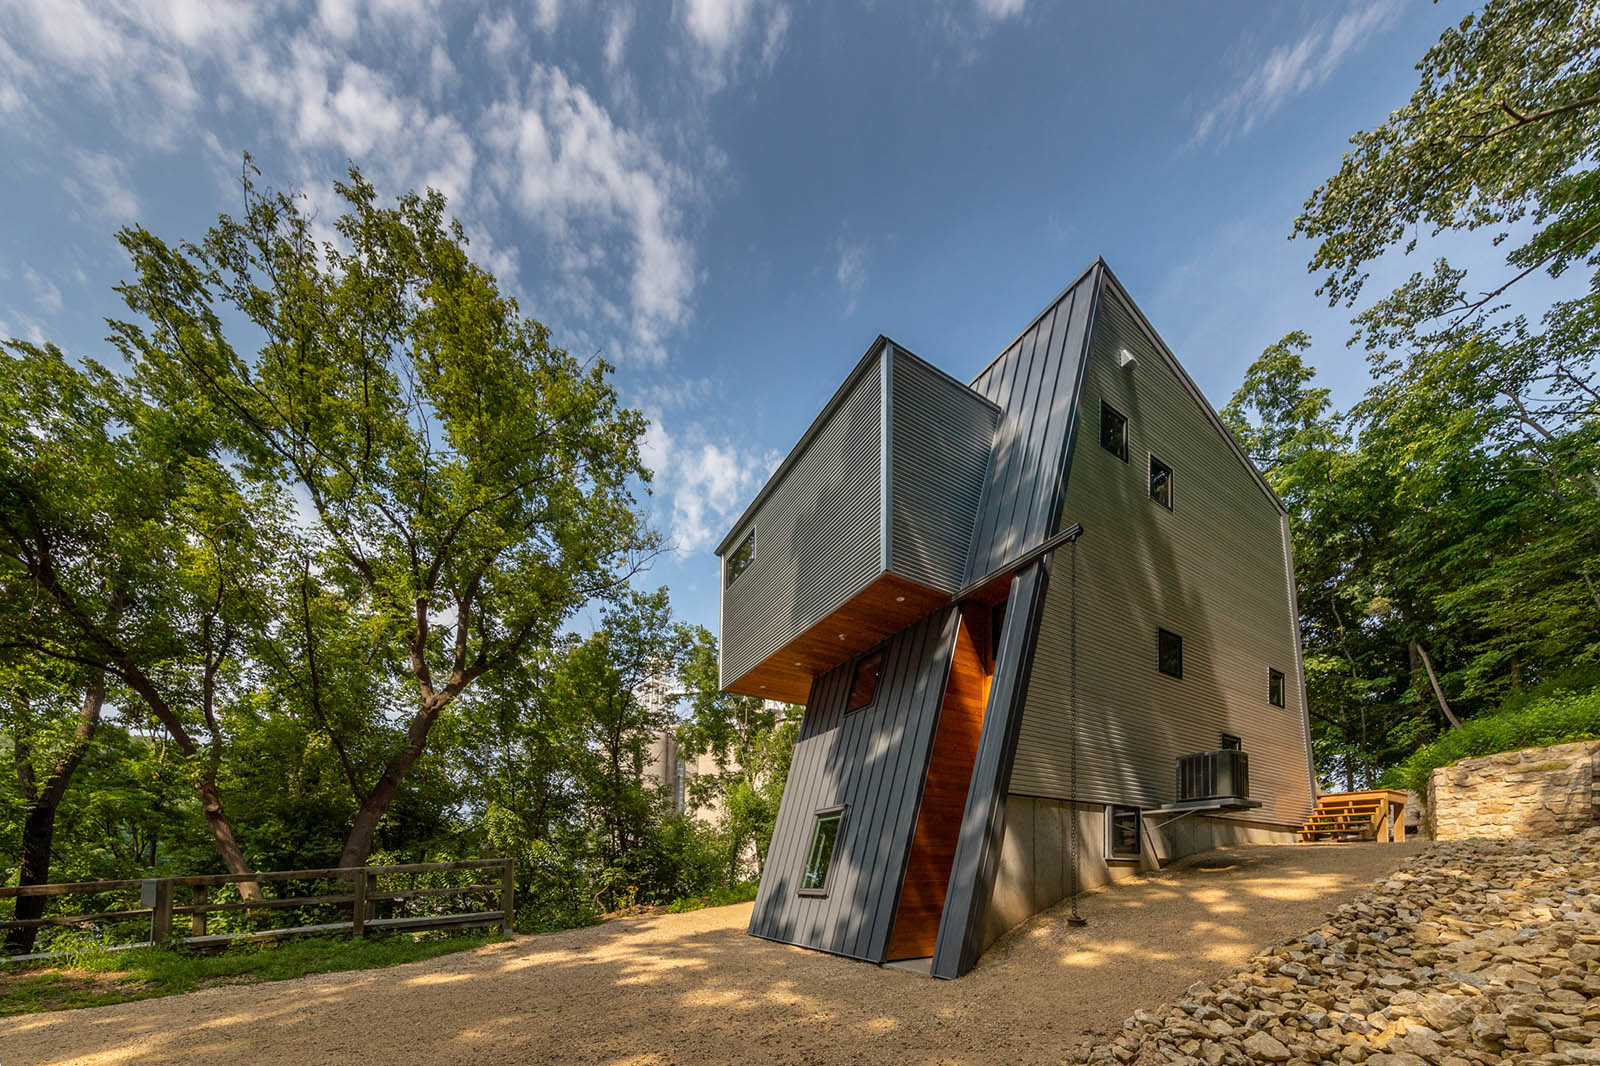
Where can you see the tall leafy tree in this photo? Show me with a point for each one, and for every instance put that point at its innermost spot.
(751, 743)
(126, 551)
(468, 484)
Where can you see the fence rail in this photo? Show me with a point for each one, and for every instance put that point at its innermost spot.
(158, 901)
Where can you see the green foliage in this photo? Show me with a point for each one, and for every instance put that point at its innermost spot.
(723, 896)
(1559, 718)
(1501, 130)
(98, 978)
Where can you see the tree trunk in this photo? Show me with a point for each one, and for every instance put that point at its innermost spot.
(222, 834)
(38, 832)
(1433, 679)
(39, 823)
(364, 829)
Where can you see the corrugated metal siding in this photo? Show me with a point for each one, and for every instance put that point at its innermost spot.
(817, 535)
(874, 761)
(1212, 570)
(1032, 382)
(940, 439)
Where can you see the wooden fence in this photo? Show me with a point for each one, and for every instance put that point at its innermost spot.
(159, 900)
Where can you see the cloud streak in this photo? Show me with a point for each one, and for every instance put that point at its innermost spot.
(1290, 70)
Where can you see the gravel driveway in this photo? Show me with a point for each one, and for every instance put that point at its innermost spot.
(684, 989)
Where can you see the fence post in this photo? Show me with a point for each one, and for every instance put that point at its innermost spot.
(202, 896)
(358, 908)
(156, 893)
(508, 894)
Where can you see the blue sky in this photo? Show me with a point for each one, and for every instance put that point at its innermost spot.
(729, 198)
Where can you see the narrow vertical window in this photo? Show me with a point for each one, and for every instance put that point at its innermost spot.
(1161, 482)
(1275, 687)
(864, 682)
(1123, 830)
(1113, 431)
(819, 858)
(1169, 653)
(740, 558)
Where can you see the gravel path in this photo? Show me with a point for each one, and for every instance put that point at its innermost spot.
(676, 990)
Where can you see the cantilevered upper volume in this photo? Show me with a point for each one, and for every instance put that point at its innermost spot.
(1047, 613)
(863, 529)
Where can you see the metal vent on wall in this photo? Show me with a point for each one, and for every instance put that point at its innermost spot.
(1220, 774)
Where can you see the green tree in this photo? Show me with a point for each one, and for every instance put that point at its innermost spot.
(125, 549)
(469, 484)
(1502, 130)
(751, 744)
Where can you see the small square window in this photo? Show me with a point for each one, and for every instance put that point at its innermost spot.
(819, 858)
(1275, 687)
(740, 558)
(1113, 431)
(1169, 653)
(864, 682)
(1229, 742)
(1123, 828)
(1161, 482)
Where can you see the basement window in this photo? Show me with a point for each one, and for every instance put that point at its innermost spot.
(1169, 653)
(1122, 827)
(1161, 482)
(864, 682)
(1275, 687)
(1113, 431)
(819, 858)
(740, 558)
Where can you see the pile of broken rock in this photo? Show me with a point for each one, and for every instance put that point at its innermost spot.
(1476, 951)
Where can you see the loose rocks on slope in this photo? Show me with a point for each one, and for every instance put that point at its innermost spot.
(1474, 952)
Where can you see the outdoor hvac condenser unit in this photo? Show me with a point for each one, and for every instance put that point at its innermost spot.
(1220, 774)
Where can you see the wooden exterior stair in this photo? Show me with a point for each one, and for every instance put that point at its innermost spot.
(1376, 815)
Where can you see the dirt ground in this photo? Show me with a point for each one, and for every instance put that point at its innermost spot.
(681, 989)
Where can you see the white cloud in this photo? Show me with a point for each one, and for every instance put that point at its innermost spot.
(703, 484)
(618, 26)
(718, 30)
(17, 324)
(100, 183)
(851, 271)
(45, 293)
(1000, 9)
(1291, 69)
(546, 15)
(615, 192)
(563, 162)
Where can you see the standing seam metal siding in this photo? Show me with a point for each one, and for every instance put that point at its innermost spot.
(1212, 570)
(874, 761)
(1032, 382)
(940, 440)
(817, 535)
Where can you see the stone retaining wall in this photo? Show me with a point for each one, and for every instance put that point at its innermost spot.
(1535, 792)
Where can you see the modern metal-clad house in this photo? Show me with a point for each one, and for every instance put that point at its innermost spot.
(1044, 629)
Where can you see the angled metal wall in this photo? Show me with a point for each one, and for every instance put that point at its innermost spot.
(874, 762)
(1032, 381)
(941, 434)
(1212, 569)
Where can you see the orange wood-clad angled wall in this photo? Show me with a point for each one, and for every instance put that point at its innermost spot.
(944, 797)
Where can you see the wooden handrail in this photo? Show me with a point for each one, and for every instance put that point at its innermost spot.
(157, 902)
(325, 873)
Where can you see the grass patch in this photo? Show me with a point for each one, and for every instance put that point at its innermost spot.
(97, 978)
(1559, 718)
(740, 892)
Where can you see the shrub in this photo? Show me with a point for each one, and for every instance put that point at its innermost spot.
(1558, 718)
(739, 892)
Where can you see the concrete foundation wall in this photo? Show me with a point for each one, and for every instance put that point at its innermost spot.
(1535, 792)
(1035, 872)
